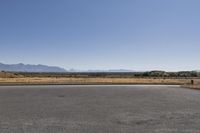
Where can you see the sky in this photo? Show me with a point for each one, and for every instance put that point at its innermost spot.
(101, 34)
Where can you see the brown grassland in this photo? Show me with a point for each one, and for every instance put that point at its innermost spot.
(7, 78)
(11, 78)
(196, 85)
(51, 80)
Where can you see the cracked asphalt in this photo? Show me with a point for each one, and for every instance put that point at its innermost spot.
(99, 109)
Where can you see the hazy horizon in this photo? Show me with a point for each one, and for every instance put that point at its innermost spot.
(138, 35)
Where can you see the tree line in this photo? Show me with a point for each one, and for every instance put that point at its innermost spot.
(163, 74)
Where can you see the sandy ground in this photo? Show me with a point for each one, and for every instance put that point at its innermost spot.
(99, 109)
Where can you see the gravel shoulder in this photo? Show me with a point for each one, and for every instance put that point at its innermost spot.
(99, 109)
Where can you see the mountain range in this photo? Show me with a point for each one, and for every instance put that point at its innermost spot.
(44, 68)
(29, 68)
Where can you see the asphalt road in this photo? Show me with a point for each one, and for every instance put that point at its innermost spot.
(99, 109)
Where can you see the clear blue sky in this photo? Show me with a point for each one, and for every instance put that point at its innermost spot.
(101, 34)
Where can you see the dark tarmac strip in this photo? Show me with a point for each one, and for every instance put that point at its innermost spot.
(99, 109)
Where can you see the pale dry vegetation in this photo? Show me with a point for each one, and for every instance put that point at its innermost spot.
(10, 75)
(51, 80)
(7, 78)
(196, 85)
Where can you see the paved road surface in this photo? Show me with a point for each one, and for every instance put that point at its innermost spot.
(99, 109)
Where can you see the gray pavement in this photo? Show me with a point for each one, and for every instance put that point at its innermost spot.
(99, 109)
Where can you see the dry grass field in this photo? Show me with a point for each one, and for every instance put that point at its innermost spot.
(45, 80)
(9, 75)
(7, 78)
(196, 85)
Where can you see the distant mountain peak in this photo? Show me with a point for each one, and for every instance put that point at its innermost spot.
(30, 68)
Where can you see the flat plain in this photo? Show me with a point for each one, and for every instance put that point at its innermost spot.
(99, 109)
(89, 81)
